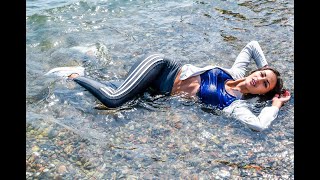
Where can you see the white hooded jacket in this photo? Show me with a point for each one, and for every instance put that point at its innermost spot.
(239, 108)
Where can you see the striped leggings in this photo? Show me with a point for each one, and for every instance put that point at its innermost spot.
(155, 71)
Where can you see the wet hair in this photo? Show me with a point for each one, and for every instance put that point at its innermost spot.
(278, 88)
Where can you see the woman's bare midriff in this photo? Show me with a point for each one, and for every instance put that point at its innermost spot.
(189, 86)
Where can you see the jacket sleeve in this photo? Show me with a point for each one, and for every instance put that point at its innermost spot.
(251, 51)
(239, 110)
(189, 70)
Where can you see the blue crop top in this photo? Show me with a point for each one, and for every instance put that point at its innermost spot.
(212, 90)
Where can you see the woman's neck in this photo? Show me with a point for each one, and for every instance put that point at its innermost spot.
(237, 85)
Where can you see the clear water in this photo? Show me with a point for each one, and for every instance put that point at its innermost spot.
(71, 136)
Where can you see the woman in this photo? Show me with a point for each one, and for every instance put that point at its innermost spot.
(219, 87)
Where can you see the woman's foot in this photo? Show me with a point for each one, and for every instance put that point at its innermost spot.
(71, 72)
(73, 75)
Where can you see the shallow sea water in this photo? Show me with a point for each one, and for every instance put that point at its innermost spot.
(70, 135)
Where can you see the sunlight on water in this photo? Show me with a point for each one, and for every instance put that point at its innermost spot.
(72, 135)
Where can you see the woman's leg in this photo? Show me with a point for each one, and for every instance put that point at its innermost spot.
(139, 78)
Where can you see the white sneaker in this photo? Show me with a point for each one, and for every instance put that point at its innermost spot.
(65, 71)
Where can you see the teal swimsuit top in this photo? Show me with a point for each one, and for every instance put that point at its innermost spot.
(212, 90)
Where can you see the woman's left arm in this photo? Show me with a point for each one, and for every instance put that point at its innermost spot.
(240, 111)
(279, 99)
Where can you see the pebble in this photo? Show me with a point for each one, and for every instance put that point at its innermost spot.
(185, 138)
(62, 169)
(35, 148)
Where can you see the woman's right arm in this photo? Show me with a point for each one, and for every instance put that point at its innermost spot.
(251, 51)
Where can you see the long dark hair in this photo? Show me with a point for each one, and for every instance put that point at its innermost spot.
(278, 88)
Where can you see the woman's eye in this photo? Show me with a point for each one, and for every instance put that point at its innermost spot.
(265, 84)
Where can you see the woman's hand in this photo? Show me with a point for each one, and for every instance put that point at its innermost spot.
(279, 100)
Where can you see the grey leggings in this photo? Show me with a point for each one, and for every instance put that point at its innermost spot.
(155, 71)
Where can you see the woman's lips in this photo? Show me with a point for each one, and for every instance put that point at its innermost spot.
(253, 82)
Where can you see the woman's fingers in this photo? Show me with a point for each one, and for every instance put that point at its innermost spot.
(285, 96)
(286, 93)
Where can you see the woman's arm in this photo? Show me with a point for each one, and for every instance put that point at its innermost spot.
(239, 110)
(251, 51)
(279, 99)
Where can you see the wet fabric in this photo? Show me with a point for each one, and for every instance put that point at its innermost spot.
(212, 89)
(155, 71)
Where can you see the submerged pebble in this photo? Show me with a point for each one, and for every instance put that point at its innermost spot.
(152, 137)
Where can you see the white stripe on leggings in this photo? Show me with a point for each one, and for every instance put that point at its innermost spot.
(139, 68)
(134, 76)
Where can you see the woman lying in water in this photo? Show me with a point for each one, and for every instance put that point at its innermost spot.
(224, 88)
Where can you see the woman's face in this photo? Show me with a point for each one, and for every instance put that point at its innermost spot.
(261, 82)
